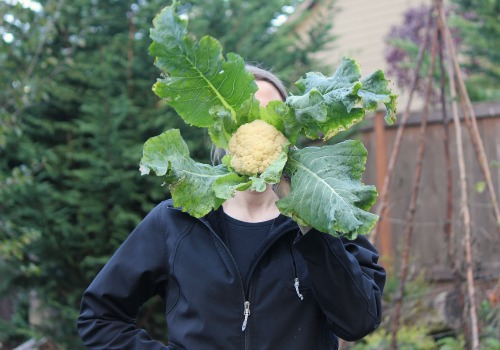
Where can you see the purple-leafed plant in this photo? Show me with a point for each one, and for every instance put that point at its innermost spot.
(403, 42)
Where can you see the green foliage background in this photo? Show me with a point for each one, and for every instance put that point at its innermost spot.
(478, 24)
(475, 28)
(76, 107)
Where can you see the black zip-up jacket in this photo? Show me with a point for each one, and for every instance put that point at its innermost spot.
(303, 291)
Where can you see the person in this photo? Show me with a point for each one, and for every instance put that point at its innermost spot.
(242, 277)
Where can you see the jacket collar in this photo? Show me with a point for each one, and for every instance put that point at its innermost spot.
(215, 220)
(281, 225)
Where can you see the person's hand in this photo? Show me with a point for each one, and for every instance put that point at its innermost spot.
(282, 189)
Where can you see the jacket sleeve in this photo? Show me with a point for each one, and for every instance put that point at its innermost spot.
(347, 282)
(136, 272)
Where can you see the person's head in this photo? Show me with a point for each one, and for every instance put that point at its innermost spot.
(273, 82)
(270, 88)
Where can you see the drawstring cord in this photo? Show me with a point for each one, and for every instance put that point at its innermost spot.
(296, 282)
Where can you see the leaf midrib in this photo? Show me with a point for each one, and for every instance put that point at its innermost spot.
(219, 96)
(314, 174)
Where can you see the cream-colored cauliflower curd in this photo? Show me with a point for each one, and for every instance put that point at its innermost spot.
(254, 146)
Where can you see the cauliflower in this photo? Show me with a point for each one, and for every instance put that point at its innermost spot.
(254, 146)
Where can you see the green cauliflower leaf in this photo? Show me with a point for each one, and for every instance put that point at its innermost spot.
(213, 91)
(190, 182)
(205, 88)
(328, 105)
(326, 189)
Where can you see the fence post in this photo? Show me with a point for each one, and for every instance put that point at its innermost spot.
(385, 238)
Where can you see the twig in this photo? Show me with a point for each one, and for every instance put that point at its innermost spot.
(448, 228)
(382, 206)
(448, 232)
(413, 201)
(38, 51)
(130, 54)
(463, 189)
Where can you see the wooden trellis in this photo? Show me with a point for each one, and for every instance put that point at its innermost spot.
(443, 59)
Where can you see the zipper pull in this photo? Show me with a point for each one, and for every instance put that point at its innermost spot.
(296, 285)
(246, 313)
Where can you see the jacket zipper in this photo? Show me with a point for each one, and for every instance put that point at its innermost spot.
(246, 303)
(246, 292)
(246, 313)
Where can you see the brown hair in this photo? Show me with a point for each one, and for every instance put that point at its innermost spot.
(260, 75)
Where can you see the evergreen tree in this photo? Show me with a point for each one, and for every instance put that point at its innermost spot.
(74, 117)
(479, 26)
(261, 33)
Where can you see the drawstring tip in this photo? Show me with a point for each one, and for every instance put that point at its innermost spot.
(296, 285)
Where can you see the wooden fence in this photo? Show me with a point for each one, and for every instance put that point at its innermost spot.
(428, 246)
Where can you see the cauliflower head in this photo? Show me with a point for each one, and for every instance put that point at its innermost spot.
(254, 146)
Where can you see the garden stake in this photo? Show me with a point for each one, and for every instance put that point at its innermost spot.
(463, 189)
(448, 228)
(410, 216)
(469, 112)
(381, 208)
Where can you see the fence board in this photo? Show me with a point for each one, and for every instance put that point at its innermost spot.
(428, 246)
